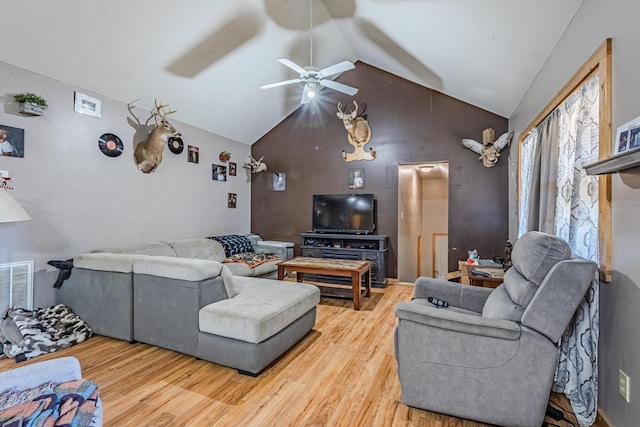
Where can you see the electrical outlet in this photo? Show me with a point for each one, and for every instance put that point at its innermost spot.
(624, 385)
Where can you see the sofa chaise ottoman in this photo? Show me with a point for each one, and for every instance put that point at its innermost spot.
(255, 327)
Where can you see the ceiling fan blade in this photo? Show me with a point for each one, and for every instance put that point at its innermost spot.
(286, 82)
(339, 87)
(295, 67)
(337, 68)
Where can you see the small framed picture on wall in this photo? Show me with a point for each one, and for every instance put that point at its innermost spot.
(219, 172)
(279, 181)
(627, 136)
(356, 179)
(623, 141)
(231, 200)
(85, 104)
(634, 138)
(11, 141)
(193, 154)
(232, 169)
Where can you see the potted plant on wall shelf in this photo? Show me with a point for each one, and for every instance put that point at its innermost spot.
(225, 156)
(30, 103)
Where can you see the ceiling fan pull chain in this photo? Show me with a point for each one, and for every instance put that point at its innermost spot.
(310, 32)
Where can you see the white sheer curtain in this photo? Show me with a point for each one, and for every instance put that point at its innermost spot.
(527, 153)
(575, 219)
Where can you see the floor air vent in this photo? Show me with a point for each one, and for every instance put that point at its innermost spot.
(16, 285)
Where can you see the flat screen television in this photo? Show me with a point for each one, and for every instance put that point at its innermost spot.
(343, 213)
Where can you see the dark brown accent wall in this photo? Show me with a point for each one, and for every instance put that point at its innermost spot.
(409, 124)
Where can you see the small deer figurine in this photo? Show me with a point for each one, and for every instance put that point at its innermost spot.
(148, 153)
(358, 134)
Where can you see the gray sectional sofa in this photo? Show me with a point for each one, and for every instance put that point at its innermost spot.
(178, 295)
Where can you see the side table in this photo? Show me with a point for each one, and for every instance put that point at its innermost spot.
(483, 281)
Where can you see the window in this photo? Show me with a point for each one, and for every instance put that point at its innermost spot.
(572, 131)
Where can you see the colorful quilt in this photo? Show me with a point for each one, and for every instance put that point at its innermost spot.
(70, 404)
(251, 259)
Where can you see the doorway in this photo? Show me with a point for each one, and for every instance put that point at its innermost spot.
(423, 212)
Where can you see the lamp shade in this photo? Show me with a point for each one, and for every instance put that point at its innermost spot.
(10, 209)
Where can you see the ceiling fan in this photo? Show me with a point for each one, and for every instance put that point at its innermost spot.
(314, 78)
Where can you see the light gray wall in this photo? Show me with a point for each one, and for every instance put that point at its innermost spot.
(619, 300)
(80, 199)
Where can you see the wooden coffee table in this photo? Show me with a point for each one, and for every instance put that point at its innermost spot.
(332, 267)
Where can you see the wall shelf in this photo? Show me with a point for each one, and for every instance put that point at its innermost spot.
(613, 164)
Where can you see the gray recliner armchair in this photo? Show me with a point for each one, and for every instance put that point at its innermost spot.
(491, 354)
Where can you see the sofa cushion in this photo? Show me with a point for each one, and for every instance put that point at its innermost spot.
(234, 244)
(533, 255)
(153, 248)
(189, 269)
(120, 263)
(198, 248)
(262, 309)
(500, 306)
(229, 282)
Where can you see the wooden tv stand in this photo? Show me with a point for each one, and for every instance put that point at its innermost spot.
(366, 247)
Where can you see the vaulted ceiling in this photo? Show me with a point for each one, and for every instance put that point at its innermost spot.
(207, 58)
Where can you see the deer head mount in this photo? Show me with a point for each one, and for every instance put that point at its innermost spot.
(358, 133)
(255, 165)
(148, 153)
(489, 150)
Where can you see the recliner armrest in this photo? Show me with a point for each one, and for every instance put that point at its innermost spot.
(458, 322)
(456, 294)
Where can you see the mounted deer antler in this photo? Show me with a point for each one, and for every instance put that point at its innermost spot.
(140, 125)
(489, 150)
(358, 134)
(148, 153)
(255, 165)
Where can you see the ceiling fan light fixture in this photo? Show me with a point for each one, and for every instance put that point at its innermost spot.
(312, 76)
(311, 90)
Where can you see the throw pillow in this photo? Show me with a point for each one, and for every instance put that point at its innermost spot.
(234, 244)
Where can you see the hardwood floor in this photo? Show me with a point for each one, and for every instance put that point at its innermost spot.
(343, 373)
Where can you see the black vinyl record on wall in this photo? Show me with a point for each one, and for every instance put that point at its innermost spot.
(110, 145)
(175, 145)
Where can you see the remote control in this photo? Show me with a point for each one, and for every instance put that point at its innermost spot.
(440, 303)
